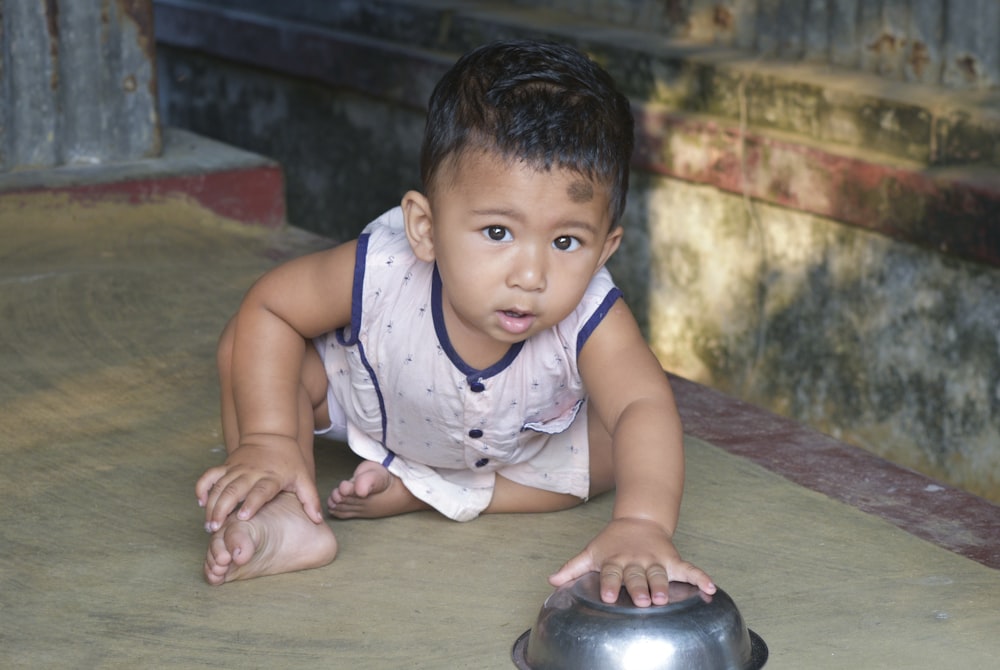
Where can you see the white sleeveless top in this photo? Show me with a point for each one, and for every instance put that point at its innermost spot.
(443, 427)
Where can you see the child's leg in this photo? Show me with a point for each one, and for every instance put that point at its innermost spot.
(374, 492)
(280, 537)
(511, 497)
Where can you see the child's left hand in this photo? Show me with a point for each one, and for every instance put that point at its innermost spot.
(636, 553)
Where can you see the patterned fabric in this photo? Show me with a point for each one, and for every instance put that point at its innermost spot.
(441, 426)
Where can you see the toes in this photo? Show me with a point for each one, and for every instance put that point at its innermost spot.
(217, 561)
(363, 487)
(218, 553)
(344, 510)
(240, 542)
(344, 490)
(336, 497)
(371, 479)
(228, 550)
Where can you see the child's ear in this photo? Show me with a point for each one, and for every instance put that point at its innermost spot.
(611, 244)
(419, 224)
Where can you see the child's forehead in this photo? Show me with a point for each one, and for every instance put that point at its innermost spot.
(580, 190)
(480, 164)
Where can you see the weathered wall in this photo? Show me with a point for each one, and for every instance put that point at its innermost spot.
(77, 83)
(786, 223)
(330, 142)
(876, 342)
(947, 42)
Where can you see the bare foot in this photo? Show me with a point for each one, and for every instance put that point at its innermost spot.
(279, 538)
(371, 493)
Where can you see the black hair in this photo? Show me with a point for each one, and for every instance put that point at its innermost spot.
(543, 103)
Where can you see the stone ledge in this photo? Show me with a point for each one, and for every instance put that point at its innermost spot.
(339, 58)
(230, 182)
(952, 210)
(848, 146)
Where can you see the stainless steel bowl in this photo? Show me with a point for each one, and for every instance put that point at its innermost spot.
(575, 630)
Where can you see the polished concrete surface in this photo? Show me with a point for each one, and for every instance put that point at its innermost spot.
(108, 320)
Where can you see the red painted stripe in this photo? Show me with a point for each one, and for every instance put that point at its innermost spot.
(250, 195)
(953, 210)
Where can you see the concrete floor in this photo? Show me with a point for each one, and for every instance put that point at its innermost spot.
(108, 320)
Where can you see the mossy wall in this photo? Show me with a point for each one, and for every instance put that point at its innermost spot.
(877, 342)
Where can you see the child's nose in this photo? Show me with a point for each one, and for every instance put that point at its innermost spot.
(527, 272)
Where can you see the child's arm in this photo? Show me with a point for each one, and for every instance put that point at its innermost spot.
(630, 392)
(286, 307)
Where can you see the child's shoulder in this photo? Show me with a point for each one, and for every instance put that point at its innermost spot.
(385, 237)
(384, 248)
(593, 307)
(389, 225)
(601, 293)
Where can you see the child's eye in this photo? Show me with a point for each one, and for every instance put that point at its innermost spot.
(497, 233)
(566, 243)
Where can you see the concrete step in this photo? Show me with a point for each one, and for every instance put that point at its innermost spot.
(953, 209)
(228, 181)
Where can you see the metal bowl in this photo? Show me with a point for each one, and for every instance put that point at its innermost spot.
(694, 631)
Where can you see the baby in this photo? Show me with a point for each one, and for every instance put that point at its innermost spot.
(470, 346)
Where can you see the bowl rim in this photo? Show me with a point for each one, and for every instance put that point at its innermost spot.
(758, 651)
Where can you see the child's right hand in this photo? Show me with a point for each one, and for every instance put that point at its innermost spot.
(253, 474)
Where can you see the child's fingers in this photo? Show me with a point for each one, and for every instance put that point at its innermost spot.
(686, 572)
(658, 584)
(262, 492)
(206, 482)
(219, 493)
(308, 495)
(222, 499)
(232, 491)
(577, 566)
(612, 578)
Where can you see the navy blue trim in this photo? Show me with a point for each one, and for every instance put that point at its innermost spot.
(352, 340)
(471, 373)
(357, 293)
(378, 390)
(595, 319)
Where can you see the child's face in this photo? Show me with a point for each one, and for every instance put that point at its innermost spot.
(516, 249)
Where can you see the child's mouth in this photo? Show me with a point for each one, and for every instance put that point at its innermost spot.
(515, 322)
